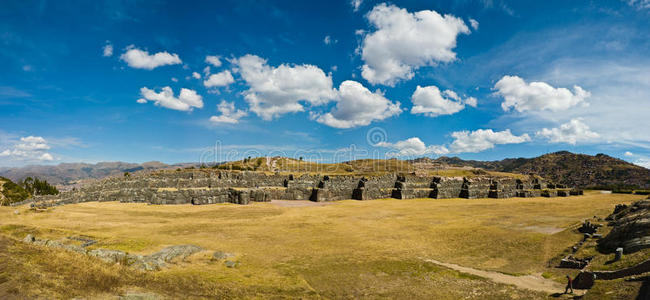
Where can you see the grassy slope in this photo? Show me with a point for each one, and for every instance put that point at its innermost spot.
(348, 249)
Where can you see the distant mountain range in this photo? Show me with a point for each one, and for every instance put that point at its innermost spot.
(69, 173)
(580, 170)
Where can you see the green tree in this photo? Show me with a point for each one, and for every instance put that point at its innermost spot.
(35, 186)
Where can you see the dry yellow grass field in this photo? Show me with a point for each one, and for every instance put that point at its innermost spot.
(347, 249)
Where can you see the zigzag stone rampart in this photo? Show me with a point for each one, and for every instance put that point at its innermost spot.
(210, 187)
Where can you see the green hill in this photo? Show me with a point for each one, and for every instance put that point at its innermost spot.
(11, 192)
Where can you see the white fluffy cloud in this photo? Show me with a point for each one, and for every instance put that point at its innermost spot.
(222, 78)
(30, 148)
(274, 91)
(405, 41)
(572, 132)
(473, 23)
(229, 114)
(329, 40)
(483, 139)
(213, 60)
(464, 141)
(431, 102)
(107, 49)
(356, 4)
(358, 106)
(537, 96)
(141, 59)
(196, 75)
(187, 100)
(413, 147)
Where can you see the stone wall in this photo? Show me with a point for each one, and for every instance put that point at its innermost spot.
(631, 228)
(217, 186)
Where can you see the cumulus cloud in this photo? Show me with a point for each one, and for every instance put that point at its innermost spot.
(358, 106)
(223, 78)
(404, 41)
(473, 23)
(356, 4)
(187, 100)
(628, 153)
(471, 101)
(213, 60)
(432, 103)
(141, 59)
(30, 148)
(274, 91)
(483, 139)
(537, 96)
(413, 147)
(572, 132)
(196, 75)
(328, 40)
(229, 114)
(107, 49)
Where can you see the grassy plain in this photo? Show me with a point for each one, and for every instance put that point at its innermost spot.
(347, 249)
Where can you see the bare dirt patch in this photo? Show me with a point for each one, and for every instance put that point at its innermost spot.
(543, 229)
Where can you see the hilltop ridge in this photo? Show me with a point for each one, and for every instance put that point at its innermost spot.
(564, 167)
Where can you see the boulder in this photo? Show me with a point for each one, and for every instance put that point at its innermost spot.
(171, 253)
(220, 255)
(29, 239)
(109, 256)
(231, 264)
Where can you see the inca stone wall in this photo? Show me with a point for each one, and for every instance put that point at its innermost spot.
(631, 228)
(212, 186)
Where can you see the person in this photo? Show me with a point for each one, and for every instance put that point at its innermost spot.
(569, 284)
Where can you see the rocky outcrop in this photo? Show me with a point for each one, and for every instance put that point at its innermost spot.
(150, 262)
(631, 228)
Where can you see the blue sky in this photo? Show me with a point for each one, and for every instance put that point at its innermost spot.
(332, 80)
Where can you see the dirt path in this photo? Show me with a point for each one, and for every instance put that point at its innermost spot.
(529, 282)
